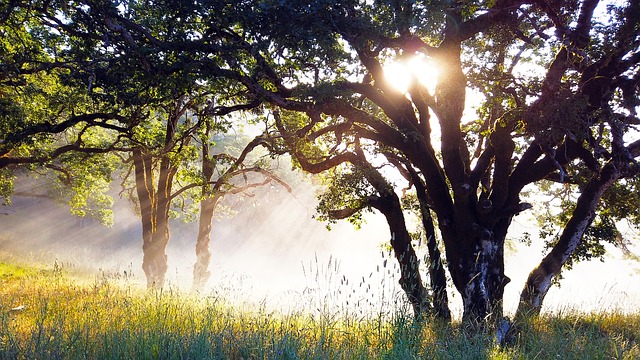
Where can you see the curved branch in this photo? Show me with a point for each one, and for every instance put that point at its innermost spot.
(344, 213)
(50, 128)
(493, 16)
(6, 160)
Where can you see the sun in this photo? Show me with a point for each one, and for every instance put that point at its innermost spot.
(400, 73)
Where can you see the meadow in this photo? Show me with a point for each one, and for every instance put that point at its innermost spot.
(51, 312)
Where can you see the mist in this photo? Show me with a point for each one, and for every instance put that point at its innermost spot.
(268, 250)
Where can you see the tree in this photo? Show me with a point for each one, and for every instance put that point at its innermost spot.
(571, 117)
(56, 85)
(560, 86)
(47, 121)
(224, 174)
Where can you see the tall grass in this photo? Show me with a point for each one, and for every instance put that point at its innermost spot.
(51, 314)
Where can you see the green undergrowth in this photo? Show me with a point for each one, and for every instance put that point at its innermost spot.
(51, 314)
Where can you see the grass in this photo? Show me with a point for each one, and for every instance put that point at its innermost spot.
(53, 314)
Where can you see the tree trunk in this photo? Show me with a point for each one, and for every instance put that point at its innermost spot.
(539, 280)
(155, 204)
(389, 205)
(201, 271)
(152, 262)
(410, 279)
(481, 302)
(154, 214)
(208, 204)
(437, 277)
(476, 264)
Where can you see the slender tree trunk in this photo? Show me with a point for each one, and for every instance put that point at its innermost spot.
(437, 277)
(539, 280)
(389, 205)
(201, 271)
(410, 279)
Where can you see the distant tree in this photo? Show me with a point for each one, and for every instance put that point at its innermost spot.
(72, 65)
(49, 123)
(224, 174)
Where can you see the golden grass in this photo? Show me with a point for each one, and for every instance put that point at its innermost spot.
(48, 313)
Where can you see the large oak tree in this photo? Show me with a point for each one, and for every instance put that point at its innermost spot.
(561, 95)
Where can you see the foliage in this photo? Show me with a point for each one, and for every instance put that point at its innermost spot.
(347, 189)
(6, 186)
(618, 203)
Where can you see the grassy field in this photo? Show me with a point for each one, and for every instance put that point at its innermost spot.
(50, 313)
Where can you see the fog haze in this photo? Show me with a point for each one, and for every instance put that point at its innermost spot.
(272, 252)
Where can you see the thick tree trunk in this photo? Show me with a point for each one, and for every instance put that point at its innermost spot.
(481, 299)
(154, 260)
(539, 280)
(156, 253)
(154, 215)
(155, 256)
(155, 202)
(143, 172)
(155, 236)
(477, 271)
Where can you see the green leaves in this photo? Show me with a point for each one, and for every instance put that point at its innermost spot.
(346, 192)
(6, 186)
